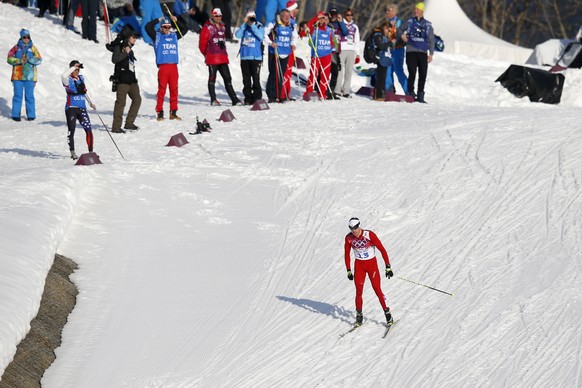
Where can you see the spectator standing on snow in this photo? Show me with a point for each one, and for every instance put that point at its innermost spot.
(383, 45)
(125, 83)
(364, 243)
(321, 39)
(349, 55)
(251, 34)
(167, 58)
(281, 38)
(75, 107)
(340, 30)
(213, 46)
(418, 34)
(396, 52)
(293, 9)
(24, 57)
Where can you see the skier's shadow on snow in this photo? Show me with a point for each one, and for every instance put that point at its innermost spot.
(35, 154)
(321, 308)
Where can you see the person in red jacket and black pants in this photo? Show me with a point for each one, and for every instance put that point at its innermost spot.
(213, 46)
(364, 243)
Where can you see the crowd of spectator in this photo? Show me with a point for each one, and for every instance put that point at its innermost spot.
(333, 38)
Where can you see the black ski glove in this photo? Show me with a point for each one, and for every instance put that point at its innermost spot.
(389, 272)
(350, 275)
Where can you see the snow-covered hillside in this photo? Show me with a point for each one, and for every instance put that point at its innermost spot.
(220, 263)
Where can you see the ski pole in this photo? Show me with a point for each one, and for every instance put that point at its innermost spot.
(424, 285)
(318, 60)
(107, 129)
(176, 24)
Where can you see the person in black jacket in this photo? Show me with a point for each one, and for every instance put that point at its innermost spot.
(125, 82)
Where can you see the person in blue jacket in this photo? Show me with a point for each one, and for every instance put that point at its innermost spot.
(251, 34)
(75, 107)
(397, 52)
(417, 32)
(383, 45)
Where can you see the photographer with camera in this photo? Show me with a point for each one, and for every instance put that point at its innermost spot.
(251, 34)
(212, 45)
(75, 107)
(124, 82)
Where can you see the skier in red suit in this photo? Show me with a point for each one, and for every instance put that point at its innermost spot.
(364, 243)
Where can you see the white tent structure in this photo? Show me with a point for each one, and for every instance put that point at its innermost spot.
(462, 36)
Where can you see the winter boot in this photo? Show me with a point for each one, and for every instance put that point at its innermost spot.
(359, 318)
(161, 115)
(389, 319)
(420, 97)
(74, 155)
(174, 116)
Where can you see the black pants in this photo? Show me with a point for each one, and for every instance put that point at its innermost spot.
(277, 68)
(90, 11)
(335, 68)
(224, 71)
(44, 5)
(380, 85)
(72, 115)
(414, 61)
(251, 72)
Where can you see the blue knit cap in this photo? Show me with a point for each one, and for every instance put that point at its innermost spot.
(24, 32)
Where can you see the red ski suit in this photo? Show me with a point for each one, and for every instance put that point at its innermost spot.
(364, 248)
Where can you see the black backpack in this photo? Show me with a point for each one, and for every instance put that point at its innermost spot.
(370, 52)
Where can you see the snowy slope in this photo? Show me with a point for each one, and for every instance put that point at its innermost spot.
(220, 263)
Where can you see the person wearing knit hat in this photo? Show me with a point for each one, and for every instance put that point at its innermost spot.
(363, 243)
(251, 34)
(24, 57)
(321, 40)
(291, 5)
(212, 45)
(281, 38)
(167, 58)
(293, 8)
(418, 33)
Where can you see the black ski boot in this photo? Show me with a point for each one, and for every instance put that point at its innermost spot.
(359, 318)
(389, 319)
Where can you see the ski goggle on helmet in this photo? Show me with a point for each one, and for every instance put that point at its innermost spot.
(354, 223)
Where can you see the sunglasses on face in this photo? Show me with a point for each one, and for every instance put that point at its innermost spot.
(26, 37)
(349, 14)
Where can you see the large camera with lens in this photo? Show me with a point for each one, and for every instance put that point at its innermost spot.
(253, 19)
(114, 82)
